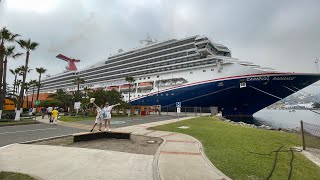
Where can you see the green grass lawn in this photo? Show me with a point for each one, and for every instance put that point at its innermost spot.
(231, 148)
(12, 122)
(75, 118)
(16, 176)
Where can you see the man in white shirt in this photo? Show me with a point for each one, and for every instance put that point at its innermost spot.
(107, 115)
(49, 114)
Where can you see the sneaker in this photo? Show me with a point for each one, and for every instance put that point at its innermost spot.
(109, 130)
(91, 130)
(100, 130)
(105, 129)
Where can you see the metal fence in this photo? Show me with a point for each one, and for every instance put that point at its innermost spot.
(186, 111)
(310, 136)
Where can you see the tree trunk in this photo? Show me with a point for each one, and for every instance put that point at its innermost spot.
(1, 73)
(26, 97)
(32, 97)
(4, 84)
(78, 96)
(38, 87)
(14, 84)
(20, 99)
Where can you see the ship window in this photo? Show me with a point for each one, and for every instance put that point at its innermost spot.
(157, 76)
(172, 94)
(144, 78)
(212, 69)
(167, 94)
(148, 77)
(140, 79)
(204, 70)
(191, 72)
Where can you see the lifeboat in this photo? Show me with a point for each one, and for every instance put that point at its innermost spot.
(125, 87)
(145, 85)
(113, 87)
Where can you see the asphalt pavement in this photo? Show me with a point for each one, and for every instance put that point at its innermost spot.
(22, 133)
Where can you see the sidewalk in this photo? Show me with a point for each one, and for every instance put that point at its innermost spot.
(180, 156)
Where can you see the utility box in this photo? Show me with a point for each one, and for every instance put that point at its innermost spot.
(214, 111)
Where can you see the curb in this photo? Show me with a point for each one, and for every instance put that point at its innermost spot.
(206, 159)
(45, 139)
(155, 165)
(27, 123)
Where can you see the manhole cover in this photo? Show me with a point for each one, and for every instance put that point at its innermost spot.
(151, 141)
(183, 127)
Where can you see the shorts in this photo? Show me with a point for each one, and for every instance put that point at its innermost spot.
(107, 116)
(98, 121)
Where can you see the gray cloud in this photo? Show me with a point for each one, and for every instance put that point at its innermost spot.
(278, 34)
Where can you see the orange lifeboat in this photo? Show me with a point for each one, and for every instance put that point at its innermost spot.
(146, 85)
(125, 88)
(113, 87)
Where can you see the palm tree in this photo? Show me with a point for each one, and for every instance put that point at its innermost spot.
(27, 45)
(40, 71)
(15, 73)
(130, 80)
(26, 88)
(5, 36)
(9, 52)
(18, 83)
(33, 83)
(78, 81)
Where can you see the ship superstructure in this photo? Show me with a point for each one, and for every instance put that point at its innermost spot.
(194, 70)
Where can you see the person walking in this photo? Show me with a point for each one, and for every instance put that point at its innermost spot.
(54, 116)
(49, 111)
(43, 111)
(107, 115)
(98, 117)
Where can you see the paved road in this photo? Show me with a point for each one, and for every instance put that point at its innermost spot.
(22, 133)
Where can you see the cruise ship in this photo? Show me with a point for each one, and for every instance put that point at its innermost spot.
(194, 71)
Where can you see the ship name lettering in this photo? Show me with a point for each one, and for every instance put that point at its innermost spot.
(283, 78)
(260, 78)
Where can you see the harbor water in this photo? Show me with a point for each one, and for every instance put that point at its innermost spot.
(284, 118)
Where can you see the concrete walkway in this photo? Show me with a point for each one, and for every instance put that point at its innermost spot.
(56, 162)
(179, 157)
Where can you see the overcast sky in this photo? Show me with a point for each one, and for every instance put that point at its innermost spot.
(280, 34)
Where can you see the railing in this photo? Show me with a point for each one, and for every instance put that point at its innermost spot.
(310, 137)
(186, 111)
